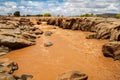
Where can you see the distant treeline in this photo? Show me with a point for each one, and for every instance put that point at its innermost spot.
(17, 14)
(106, 15)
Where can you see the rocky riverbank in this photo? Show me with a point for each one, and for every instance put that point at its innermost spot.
(16, 34)
(103, 28)
(60, 50)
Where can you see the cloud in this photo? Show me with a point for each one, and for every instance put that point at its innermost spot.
(66, 7)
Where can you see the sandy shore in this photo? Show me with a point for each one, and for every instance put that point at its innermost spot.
(70, 51)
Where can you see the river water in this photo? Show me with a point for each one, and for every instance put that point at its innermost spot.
(70, 51)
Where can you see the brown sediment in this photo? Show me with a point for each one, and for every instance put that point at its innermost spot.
(70, 51)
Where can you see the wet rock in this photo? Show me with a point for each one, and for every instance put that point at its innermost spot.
(72, 75)
(48, 44)
(48, 33)
(4, 50)
(5, 76)
(112, 49)
(8, 66)
(22, 76)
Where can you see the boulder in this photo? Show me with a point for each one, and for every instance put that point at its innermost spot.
(8, 66)
(72, 75)
(14, 42)
(112, 49)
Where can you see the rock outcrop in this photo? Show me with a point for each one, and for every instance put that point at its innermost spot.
(16, 34)
(112, 49)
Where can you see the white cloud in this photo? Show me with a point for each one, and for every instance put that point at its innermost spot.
(68, 7)
(10, 4)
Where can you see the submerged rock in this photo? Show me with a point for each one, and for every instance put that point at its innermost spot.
(22, 76)
(5, 76)
(72, 75)
(48, 44)
(48, 33)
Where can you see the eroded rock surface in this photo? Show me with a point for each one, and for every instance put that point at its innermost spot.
(112, 49)
(16, 34)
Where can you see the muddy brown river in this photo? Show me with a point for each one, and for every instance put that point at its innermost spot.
(70, 51)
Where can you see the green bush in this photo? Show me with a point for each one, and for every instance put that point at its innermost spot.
(118, 16)
(17, 13)
(39, 15)
(47, 15)
(87, 15)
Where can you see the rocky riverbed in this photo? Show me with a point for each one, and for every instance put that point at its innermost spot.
(76, 45)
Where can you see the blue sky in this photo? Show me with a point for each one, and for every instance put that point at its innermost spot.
(56, 7)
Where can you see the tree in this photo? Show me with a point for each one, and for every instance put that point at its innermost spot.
(39, 15)
(17, 13)
(47, 15)
(9, 14)
(87, 15)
